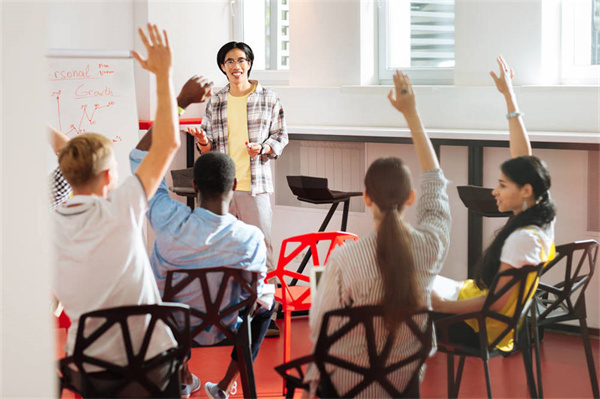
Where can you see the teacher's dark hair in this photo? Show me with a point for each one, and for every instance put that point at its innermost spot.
(214, 175)
(388, 183)
(230, 46)
(521, 171)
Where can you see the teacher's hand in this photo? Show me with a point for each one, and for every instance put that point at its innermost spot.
(253, 149)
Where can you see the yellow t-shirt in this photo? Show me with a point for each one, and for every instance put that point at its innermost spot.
(237, 129)
(496, 327)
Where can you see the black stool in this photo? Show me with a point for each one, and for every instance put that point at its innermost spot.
(314, 190)
(480, 201)
(182, 185)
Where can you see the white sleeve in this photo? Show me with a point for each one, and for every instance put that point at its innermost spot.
(521, 248)
(129, 200)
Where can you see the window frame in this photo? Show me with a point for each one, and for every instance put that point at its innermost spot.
(278, 77)
(418, 75)
(572, 74)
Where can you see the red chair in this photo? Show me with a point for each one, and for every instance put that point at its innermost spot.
(294, 298)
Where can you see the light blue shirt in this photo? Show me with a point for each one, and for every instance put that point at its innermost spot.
(201, 239)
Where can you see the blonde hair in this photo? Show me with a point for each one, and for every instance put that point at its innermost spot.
(84, 157)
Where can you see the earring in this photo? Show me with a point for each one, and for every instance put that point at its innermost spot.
(524, 206)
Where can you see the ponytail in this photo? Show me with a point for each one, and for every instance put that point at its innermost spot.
(396, 267)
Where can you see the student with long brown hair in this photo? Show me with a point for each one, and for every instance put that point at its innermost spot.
(396, 264)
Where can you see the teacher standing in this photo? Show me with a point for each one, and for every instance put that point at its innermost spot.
(246, 121)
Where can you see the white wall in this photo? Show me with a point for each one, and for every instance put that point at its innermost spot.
(27, 351)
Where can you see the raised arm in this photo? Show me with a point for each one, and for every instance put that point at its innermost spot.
(165, 137)
(403, 99)
(57, 139)
(519, 141)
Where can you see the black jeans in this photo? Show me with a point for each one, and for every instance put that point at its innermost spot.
(459, 333)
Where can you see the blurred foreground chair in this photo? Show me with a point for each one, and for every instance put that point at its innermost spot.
(523, 282)
(158, 377)
(215, 312)
(378, 370)
(565, 300)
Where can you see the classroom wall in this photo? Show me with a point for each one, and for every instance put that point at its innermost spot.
(326, 68)
(27, 334)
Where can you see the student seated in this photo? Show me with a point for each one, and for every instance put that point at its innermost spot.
(526, 239)
(101, 260)
(207, 237)
(394, 265)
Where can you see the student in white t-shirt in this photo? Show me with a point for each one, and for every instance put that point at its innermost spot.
(526, 239)
(101, 260)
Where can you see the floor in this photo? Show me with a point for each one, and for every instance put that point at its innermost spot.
(564, 368)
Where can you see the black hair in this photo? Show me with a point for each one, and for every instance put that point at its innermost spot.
(521, 170)
(388, 183)
(214, 174)
(230, 46)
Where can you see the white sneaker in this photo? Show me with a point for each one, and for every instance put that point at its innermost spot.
(214, 392)
(188, 389)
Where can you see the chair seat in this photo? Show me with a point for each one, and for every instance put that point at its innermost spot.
(296, 292)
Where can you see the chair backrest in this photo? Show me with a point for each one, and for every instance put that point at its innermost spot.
(579, 260)
(157, 377)
(523, 283)
(379, 347)
(303, 242)
(217, 307)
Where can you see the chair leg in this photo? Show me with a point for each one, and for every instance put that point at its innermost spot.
(450, 366)
(527, 363)
(290, 392)
(454, 380)
(287, 335)
(246, 367)
(590, 357)
(488, 382)
(538, 362)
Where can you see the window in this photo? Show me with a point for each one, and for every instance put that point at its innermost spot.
(417, 37)
(580, 41)
(265, 26)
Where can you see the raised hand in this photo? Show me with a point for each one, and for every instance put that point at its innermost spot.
(157, 47)
(504, 82)
(196, 90)
(403, 97)
(199, 134)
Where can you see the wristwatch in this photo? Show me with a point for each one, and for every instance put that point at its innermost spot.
(262, 148)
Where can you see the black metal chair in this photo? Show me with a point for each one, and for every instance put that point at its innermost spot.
(158, 377)
(519, 280)
(565, 300)
(214, 312)
(377, 370)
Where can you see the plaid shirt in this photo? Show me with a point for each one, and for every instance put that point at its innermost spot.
(266, 124)
(60, 190)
